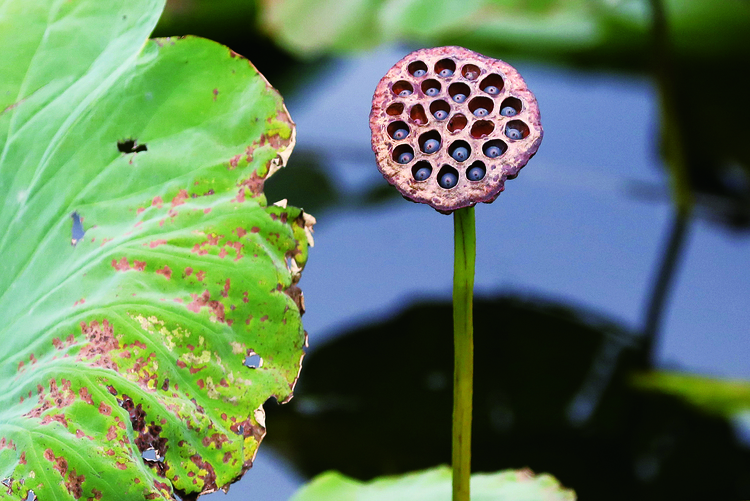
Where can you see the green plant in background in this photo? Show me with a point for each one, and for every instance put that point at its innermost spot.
(143, 334)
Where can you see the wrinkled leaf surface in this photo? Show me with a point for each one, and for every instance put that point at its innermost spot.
(147, 291)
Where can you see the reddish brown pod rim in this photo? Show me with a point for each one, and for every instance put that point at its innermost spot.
(449, 126)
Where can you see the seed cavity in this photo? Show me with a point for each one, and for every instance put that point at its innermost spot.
(476, 171)
(398, 130)
(440, 109)
(470, 72)
(482, 128)
(494, 148)
(418, 115)
(417, 69)
(429, 142)
(421, 170)
(481, 106)
(402, 88)
(431, 87)
(492, 84)
(457, 123)
(447, 177)
(445, 67)
(395, 109)
(459, 91)
(459, 151)
(511, 107)
(516, 129)
(403, 154)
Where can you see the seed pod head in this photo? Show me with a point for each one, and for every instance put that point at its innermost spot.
(449, 126)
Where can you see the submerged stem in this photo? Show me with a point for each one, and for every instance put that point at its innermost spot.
(464, 236)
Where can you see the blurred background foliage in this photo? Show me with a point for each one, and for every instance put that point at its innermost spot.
(567, 390)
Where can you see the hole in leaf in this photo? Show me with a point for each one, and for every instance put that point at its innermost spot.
(30, 496)
(77, 231)
(253, 360)
(395, 109)
(470, 72)
(482, 128)
(418, 115)
(457, 123)
(130, 146)
(151, 454)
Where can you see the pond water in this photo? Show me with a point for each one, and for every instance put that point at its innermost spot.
(584, 224)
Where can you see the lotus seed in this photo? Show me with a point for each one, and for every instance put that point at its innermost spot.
(441, 114)
(405, 157)
(432, 91)
(491, 90)
(481, 112)
(508, 111)
(475, 173)
(400, 134)
(431, 146)
(493, 151)
(419, 73)
(513, 133)
(448, 180)
(446, 72)
(422, 173)
(460, 154)
(459, 98)
(404, 93)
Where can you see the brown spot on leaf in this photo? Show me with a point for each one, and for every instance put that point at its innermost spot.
(105, 409)
(200, 276)
(157, 202)
(85, 395)
(101, 342)
(156, 243)
(121, 265)
(166, 272)
(234, 161)
(139, 265)
(180, 198)
(188, 271)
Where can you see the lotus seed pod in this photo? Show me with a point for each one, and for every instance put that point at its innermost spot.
(477, 125)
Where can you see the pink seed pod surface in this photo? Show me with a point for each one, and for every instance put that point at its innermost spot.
(449, 126)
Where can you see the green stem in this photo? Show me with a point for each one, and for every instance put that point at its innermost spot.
(464, 236)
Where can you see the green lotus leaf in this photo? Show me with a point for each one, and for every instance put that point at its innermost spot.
(722, 397)
(435, 485)
(605, 33)
(148, 293)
